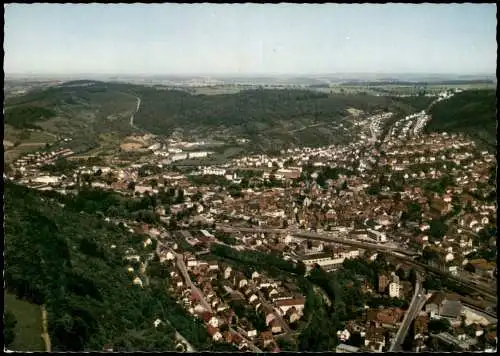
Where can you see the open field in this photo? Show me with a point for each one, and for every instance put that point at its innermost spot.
(29, 324)
(18, 142)
(397, 89)
(216, 90)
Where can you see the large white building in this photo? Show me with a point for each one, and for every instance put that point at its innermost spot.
(214, 171)
(284, 305)
(198, 154)
(154, 147)
(46, 179)
(179, 157)
(174, 150)
(394, 290)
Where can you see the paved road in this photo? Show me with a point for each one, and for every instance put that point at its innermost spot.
(132, 117)
(45, 333)
(414, 308)
(183, 269)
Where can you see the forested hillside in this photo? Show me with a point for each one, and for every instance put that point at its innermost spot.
(82, 110)
(63, 258)
(26, 116)
(470, 112)
(163, 110)
(274, 119)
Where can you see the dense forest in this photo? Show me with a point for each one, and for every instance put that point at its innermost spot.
(25, 116)
(472, 112)
(63, 259)
(248, 111)
(81, 110)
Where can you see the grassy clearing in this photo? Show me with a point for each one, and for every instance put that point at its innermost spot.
(29, 324)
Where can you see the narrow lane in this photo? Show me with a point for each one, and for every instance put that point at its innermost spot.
(183, 269)
(45, 333)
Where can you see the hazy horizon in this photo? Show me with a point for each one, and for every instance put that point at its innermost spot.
(249, 39)
(359, 75)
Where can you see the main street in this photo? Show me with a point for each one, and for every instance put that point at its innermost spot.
(417, 302)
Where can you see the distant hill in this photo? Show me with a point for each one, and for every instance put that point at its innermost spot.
(472, 112)
(80, 109)
(390, 81)
(271, 118)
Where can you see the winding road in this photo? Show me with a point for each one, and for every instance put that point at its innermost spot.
(136, 110)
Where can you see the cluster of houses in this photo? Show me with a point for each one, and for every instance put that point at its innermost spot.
(409, 126)
(325, 207)
(220, 286)
(377, 326)
(41, 158)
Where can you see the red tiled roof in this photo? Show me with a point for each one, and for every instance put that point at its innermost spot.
(212, 330)
(291, 302)
(266, 335)
(206, 316)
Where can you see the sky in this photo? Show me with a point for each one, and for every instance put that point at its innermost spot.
(241, 39)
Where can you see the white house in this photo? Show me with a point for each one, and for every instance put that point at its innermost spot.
(217, 336)
(142, 189)
(179, 157)
(253, 298)
(213, 266)
(214, 171)
(192, 262)
(394, 290)
(286, 239)
(137, 281)
(343, 335)
(284, 305)
(214, 322)
(227, 272)
(251, 333)
(198, 154)
(46, 179)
